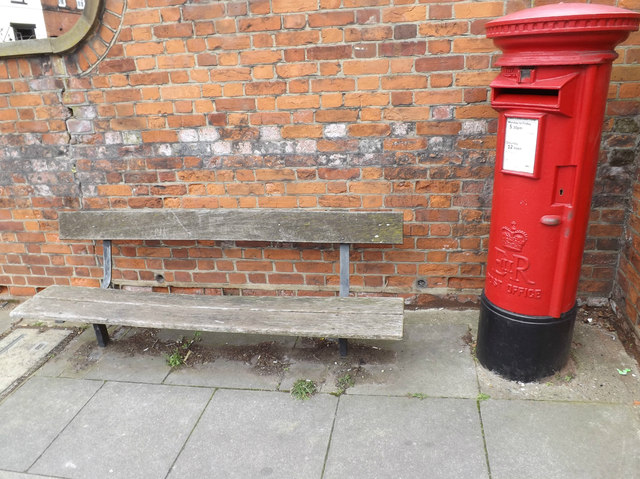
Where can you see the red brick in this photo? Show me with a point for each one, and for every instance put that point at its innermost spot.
(329, 53)
(443, 29)
(159, 136)
(155, 78)
(445, 63)
(396, 49)
(369, 129)
(326, 19)
(333, 84)
(404, 14)
(296, 70)
(259, 24)
(231, 74)
(173, 30)
(119, 66)
(302, 131)
(202, 12)
(297, 38)
(292, 6)
(265, 88)
(179, 92)
(25, 100)
(292, 102)
(404, 82)
(337, 115)
(477, 10)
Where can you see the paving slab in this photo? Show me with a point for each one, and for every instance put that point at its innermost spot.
(77, 359)
(23, 349)
(116, 366)
(127, 430)
(251, 434)
(391, 437)
(432, 359)
(591, 373)
(34, 415)
(561, 440)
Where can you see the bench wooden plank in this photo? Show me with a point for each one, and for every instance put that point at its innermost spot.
(350, 318)
(278, 225)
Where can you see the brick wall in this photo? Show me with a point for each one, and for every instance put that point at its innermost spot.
(360, 104)
(627, 286)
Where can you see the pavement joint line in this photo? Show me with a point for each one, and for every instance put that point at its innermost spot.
(484, 439)
(407, 395)
(184, 444)
(333, 425)
(478, 404)
(66, 425)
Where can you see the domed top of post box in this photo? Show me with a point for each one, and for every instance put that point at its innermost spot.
(562, 34)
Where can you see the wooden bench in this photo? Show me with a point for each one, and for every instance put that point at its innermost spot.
(341, 317)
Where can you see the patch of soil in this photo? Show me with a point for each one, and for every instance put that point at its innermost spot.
(326, 350)
(84, 357)
(266, 358)
(470, 341)
(146, 341)
(354, 373)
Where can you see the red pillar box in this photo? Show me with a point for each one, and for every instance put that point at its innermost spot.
(551, 94)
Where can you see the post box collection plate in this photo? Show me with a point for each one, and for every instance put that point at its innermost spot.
(551, 95)
(520, 141)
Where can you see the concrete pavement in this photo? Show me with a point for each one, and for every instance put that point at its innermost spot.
(421, 407)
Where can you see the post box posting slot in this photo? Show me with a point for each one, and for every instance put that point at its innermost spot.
(545, 88)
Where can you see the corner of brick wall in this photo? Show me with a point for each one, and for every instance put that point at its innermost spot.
(626, 292)
(620, 175)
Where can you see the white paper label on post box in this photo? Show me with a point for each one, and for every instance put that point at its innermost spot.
(520, 141)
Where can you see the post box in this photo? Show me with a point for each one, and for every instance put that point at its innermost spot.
(550, 94)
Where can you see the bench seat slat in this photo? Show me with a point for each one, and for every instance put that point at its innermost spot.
(277, 225)
(351, 318)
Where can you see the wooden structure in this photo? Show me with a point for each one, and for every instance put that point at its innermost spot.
(341, 317)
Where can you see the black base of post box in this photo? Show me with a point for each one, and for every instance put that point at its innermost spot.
(523, 348)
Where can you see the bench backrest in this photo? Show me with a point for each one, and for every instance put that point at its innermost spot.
(278, 225)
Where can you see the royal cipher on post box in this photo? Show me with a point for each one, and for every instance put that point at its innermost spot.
(550, 94)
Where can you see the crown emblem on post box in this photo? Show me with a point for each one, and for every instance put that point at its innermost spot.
(513, 238)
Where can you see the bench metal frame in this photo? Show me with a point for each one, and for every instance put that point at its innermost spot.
(102, 334)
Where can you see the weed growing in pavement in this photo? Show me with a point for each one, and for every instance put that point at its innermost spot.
(303, 389)
(177, 358)
(343, 383)
(420, 396)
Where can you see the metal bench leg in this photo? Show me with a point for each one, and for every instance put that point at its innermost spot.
(344, 289)
(102, 335)
(343, 344)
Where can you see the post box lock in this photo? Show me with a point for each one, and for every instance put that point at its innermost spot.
(551, 220)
